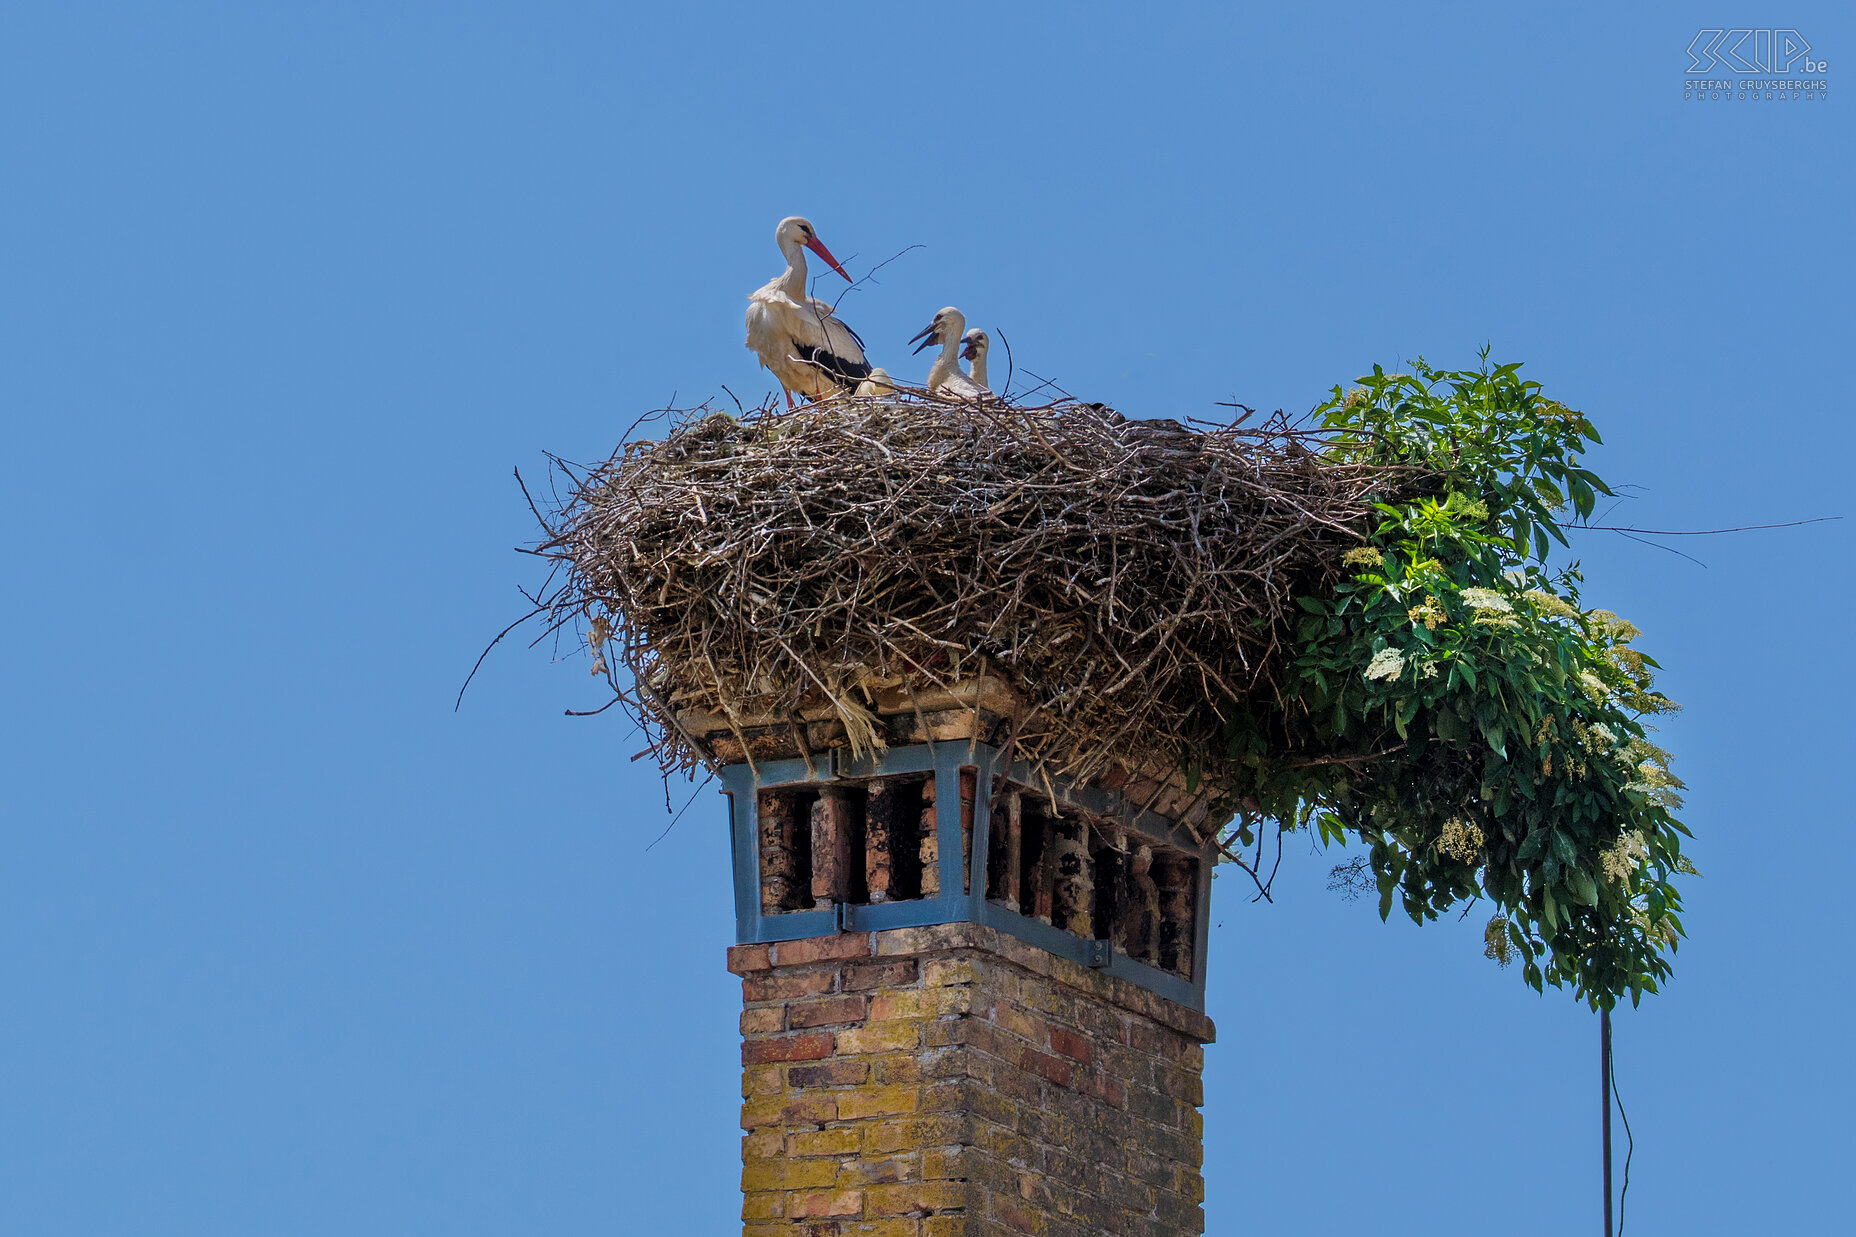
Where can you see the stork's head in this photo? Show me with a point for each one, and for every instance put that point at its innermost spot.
(973, 345)
(795, 231)
(947, 325)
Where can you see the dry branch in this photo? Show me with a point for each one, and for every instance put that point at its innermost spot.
(1125, 578)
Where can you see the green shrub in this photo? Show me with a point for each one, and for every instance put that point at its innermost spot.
(1454, 706)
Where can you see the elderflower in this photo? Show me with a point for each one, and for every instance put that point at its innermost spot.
(1474, 508)
(1431, 613)
(1658, 784)
(1548, 604)
(1622, 857)
(1613, 627)
(1496, 946)
(1386, 664)
(1595, 688)
(1362, 556)
(1606, 737)
(1460, 840)
(1486, 599)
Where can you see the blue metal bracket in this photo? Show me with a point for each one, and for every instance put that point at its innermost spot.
(963, 897)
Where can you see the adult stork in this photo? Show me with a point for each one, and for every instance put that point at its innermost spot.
(945, 377)
(797, 336)
(973, 346)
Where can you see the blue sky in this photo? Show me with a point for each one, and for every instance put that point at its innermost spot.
(289, 947)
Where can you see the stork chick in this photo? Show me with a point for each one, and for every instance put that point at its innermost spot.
(945, 377)
(973, 348)
(877, 384)
(796, 335)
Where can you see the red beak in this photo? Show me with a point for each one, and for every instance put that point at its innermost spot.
(818, 247)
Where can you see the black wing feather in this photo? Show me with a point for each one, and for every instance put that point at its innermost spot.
(842, 370)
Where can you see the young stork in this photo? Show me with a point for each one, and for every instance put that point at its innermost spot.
(945, 377)
(877, 384)
(795, 335)
(973, 347)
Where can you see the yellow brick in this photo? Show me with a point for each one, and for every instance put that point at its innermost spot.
(764, 1205)
(789, 1175)
(890, 1006)
(896, 1200)
(784, 1110)
(882, 1228)
(763, 1143)
(832, 1203)
(897, 1067)
(889, 1171)
(935, 1226)
(921, 1003)
(944, 1164)
(877, 1102)
(761, 1080)
(939, 972)
(882, 1037)
(889, 1137)
(824, 1142)
(944, 1001)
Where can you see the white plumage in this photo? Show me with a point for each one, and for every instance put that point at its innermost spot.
(945, 376)
(878, 383)
(796, 335)
(973, 347)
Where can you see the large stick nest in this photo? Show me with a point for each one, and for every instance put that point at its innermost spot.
(1128, 579)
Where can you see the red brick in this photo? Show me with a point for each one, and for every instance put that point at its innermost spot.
(836, 1011)
(745, 958)
(783, 986)
(822, 949)
(1046, 1066)
(815, 1046)
(881, 975)
(1070, 1044)
(1105, 1088)
(828, 1074)
(1017, 1218)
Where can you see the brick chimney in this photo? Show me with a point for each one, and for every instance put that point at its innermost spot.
(971, 991)
(952, 1081)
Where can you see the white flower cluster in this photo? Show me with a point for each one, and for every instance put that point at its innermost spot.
(1460, 840)
(1387, 664)
(1486, 599)
(1622, 858)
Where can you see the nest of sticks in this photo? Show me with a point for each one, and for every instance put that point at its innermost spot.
(1126, 579)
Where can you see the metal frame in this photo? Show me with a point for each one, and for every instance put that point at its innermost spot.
(742, 783)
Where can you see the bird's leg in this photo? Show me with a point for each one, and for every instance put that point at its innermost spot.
(789, 399)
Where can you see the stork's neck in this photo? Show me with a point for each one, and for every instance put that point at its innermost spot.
(979, 370)
(793, 282)
(946, 365)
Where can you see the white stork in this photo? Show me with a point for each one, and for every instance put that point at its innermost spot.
(973, 347)
(945, 377)
(795, 335)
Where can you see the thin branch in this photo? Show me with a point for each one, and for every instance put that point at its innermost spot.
(1698, 532)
